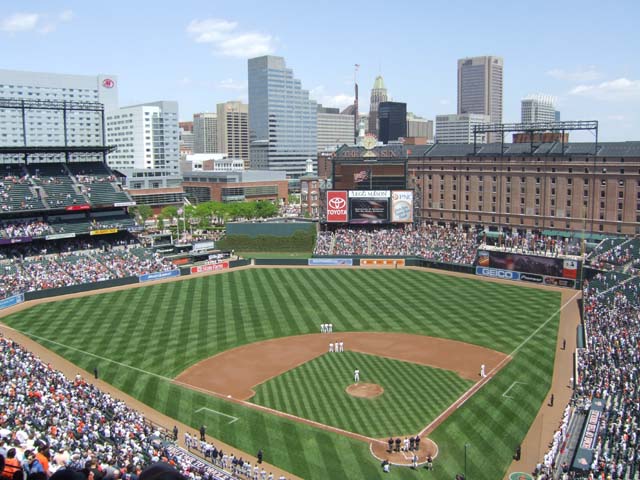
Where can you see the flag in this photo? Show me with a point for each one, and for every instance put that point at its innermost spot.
(361, 176)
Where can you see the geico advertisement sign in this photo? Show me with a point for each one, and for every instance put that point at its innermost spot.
(497, 273)
(337, 206)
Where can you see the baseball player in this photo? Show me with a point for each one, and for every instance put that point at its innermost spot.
(482, 374)
(356, 375)
(342, 346)
(331, 347)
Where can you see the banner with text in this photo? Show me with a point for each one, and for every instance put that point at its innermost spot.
(210, 267)
(584, 453)
(11, 301)
(337, 210)
(330, 261)
(402, 206)
(147, 277)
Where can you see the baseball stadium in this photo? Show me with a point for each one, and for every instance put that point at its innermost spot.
(401, 346)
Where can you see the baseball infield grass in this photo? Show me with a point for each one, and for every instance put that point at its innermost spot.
(316, 390)
(141, 338)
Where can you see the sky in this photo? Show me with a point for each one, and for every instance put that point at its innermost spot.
(585, 53)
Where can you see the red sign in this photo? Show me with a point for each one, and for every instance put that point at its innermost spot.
(108, 83)
(337, 206)
(212, 267)
(72, 208)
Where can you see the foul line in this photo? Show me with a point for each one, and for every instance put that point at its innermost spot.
(510, 387)
(235, 419)
(120, 364)
(466, 395)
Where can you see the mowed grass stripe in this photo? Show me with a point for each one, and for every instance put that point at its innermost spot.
(493, 315)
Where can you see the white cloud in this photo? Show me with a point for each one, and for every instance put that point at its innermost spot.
(618, 89)
(583, 74)
(340, 100)
(231, 84)
(42, 23)
(228, 41)
(444, 101)
(19, 22)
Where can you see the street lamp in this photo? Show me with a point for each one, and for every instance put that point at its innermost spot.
(466, 445)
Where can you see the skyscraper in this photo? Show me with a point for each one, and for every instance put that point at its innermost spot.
(459, 128)
(205, 132)
(537, 108)
(334, 128)
(392, 121)
(146, 137)
(480, 87)
(282, 118)
(233, 130)
(378, 94)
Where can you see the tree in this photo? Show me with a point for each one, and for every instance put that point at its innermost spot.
(144, 212)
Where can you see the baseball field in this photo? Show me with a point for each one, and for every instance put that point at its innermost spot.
(420, 337)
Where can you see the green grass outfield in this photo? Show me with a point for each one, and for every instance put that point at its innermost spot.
(141, 338)
(414, 395)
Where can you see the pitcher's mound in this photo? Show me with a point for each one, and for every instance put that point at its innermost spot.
(365, 390)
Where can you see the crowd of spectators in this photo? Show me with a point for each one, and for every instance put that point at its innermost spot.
(25, 228)
(433, 242)
(608, 369)
(613, 254)
(82, 262)
(49, 423)
(537, 244)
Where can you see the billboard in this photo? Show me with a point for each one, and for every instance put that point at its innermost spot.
(11, 301)
(539, 265)
(402, 206)
(337, 208)
(382, 262)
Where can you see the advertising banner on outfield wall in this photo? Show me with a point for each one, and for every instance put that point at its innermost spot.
(330, 261)
(147, 277)
(525, 277)
(402, 206)
(11, 301)
(337, 208)
(210, 267)
(382, 262)
(58, 236)
(534, 264)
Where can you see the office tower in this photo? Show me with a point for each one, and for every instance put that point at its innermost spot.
(392, 121)
(556, 116)
(186, 138)
(459, 128)
(537, 108)
(418, 127)
(378, 95)
(46, 127)
(233, 130)
(282, 118)
(205, 132)
(334, 128)
(480, 87)
(146, 137)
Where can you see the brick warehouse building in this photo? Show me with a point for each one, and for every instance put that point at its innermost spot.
(517, 186)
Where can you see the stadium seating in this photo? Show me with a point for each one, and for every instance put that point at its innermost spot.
(59, 188)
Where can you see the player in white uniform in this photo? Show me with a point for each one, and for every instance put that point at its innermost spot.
(356, 375)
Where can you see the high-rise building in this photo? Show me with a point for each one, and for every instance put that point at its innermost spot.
(537, 108)
(334, 128)
(205, 132)
(46, 127)
(378, 95)
(146, 137)
(459, 128)
(392, 121)
(418, 127)
(233, 130)
(556, 116)
(282, 118)
(480, 87)
(186, 138)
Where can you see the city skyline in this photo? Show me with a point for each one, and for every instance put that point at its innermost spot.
(197, 55)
